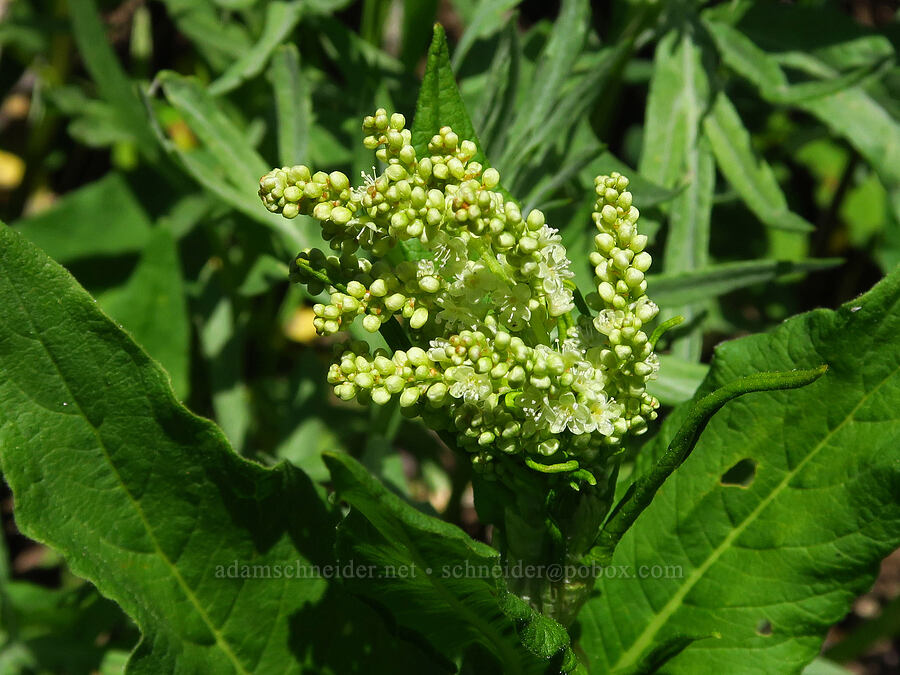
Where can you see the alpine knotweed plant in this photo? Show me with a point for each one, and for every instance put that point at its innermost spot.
(498, 357)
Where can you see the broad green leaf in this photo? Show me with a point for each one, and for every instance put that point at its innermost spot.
(152, 308)
(769, 560)
(642, 491)
(445, 585)
(439, 103)
(750, 175)
(149, 503)
(715, 280)
(293, 105)
(281, 17)
(101, 219)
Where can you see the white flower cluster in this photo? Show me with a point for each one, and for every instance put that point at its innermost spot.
(486, 296)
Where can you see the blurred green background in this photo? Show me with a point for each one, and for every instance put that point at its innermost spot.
(762, 139)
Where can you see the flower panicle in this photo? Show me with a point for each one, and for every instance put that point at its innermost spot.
(486, 295)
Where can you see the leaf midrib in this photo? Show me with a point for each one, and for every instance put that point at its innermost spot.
(182, 583)
(661, 617)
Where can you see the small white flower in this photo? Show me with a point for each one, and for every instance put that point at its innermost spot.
(567, 412)
(514, 306)
(609, 320)
(604, 414)
(553, 271)
(467, 384)
(455, 314)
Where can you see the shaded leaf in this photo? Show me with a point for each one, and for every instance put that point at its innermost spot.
(103, 218)
(750, 175)
(851, 113)
(151, 307)
(111, 80)
(709, 282)
(489, 16)
(437, 580)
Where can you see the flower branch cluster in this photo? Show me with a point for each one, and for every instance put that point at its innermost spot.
(486, 296)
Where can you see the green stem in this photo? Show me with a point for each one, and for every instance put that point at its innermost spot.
(563, 467)
(642, 491)
(392, 330)
(664, 327)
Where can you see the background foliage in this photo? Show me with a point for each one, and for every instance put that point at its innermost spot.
(763, 145)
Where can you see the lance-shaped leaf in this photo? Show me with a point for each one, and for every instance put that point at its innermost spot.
(715, 280)
(293, 105)
(749, 175)
(281, 17)
(437, 580)
(439, 103)
(851, 113)
(778, 519)
(553, 68)
(225, 164)
(209, 554)
(674, 154)
(675, 105)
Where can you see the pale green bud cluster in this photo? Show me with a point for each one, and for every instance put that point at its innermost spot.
(620, 262)
(486, 295)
